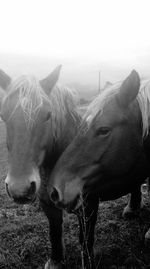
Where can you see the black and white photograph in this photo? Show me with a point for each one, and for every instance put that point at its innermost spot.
(74, 134)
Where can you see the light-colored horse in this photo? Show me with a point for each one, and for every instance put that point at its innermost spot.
(41, 120)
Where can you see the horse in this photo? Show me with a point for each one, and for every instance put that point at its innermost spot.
(41, 119)
(110, 155)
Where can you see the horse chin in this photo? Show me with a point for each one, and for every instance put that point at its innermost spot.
(92, 182)
(24, 200)
(74, 205)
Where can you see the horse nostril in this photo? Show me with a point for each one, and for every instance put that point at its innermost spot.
(32, 188)
(6, 185)
(54, 195)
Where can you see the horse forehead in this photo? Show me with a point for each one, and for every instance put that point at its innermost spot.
(16, 111)
(111, 113)
(15, 124)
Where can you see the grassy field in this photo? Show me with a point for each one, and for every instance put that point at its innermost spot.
(24, 240)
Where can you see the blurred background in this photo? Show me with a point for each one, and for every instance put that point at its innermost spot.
(97, 42)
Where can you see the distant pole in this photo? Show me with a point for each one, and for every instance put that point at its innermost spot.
(99, 82)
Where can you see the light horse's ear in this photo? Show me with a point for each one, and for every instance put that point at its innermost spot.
(129, 89)
(5, 80)
(49, 82)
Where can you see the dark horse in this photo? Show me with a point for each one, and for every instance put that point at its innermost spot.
(41, 120)
(110, 155)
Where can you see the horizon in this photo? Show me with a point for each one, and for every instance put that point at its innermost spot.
(79, 70)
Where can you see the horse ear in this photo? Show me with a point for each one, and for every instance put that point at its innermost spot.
(49, 82)
(129, 89)
(4, 83)
(4, 80)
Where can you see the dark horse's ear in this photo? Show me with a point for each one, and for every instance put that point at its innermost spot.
(4, 80)
(129, 89)
(49, 82)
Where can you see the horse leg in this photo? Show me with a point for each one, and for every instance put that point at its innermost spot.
(134, 204)
(87, 220)
(55, 219)
(147, 235)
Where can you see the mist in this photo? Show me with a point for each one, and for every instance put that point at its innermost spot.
(80, 73)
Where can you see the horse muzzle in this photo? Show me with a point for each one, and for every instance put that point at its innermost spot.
(22, 190)
(59, 202)
(23, 197)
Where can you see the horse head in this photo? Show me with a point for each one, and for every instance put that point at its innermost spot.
(107, 153)
(26, 110)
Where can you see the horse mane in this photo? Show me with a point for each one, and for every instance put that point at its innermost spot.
(31, 97)
(103, 99)
(143, 99)
(64, 101)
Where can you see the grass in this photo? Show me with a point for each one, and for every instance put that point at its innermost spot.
(24, 243)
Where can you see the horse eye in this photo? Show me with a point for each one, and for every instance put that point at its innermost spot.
(8, 147)
(47, 116)
(103, 131)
